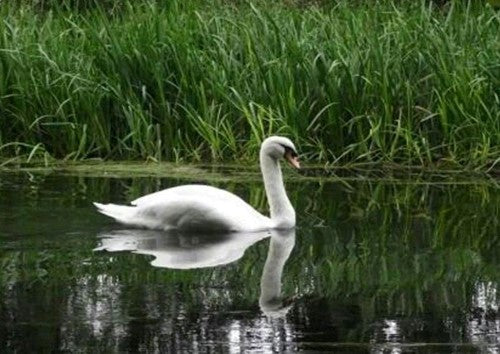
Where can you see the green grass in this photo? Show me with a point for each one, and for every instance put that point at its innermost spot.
(406, 83)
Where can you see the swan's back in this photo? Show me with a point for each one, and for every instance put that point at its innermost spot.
(186, 191)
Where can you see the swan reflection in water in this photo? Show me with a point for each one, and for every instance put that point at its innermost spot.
(191, 251)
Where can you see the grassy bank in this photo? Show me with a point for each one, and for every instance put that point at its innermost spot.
(406, 84)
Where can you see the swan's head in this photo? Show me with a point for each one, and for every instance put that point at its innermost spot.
(278, 147)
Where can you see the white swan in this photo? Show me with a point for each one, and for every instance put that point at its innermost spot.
(199, 207)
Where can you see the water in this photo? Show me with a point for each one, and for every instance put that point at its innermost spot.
(374, 266)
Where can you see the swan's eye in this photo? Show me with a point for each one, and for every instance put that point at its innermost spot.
(290, 151)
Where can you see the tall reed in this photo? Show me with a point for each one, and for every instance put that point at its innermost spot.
(406, 83)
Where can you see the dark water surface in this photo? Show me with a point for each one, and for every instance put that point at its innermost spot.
(373, 266)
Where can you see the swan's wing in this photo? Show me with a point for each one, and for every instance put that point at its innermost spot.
(198, 208)
(189, 190)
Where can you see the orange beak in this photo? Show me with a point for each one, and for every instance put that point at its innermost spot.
(292, 160)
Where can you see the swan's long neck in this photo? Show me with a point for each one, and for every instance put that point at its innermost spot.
(282, 212)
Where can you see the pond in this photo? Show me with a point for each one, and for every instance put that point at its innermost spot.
(375, 265)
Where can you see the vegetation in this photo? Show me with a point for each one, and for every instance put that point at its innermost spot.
(401, 82)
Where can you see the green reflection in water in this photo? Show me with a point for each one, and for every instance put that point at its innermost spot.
(374, 263)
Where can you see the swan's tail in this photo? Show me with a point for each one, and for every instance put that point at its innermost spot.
(121, 213)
